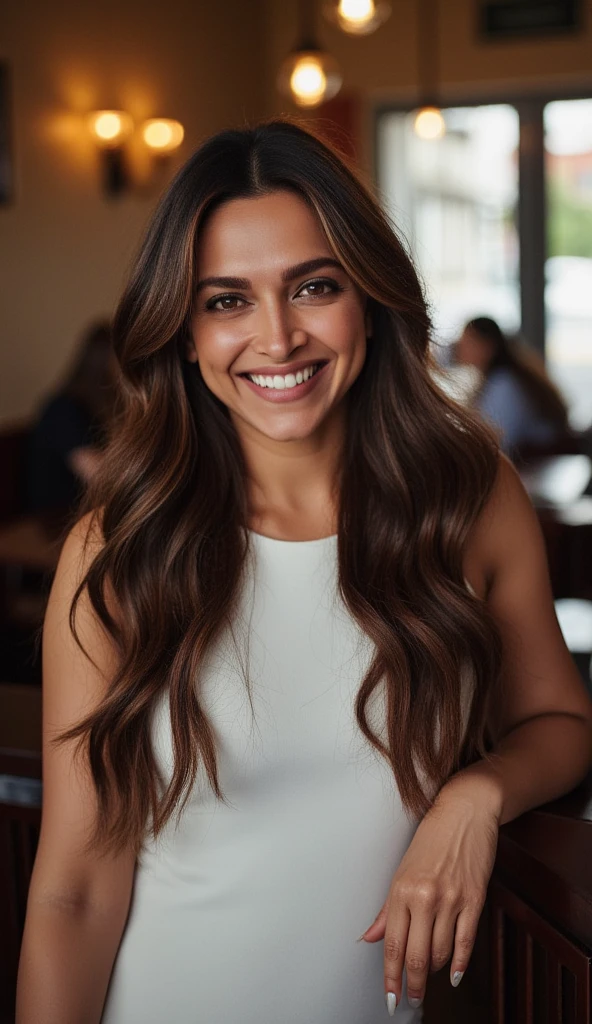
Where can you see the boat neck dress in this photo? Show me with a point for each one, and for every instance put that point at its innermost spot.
(248, 911)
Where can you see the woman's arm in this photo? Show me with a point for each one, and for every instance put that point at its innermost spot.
(78, 900)
(543, 717)
(543, 713)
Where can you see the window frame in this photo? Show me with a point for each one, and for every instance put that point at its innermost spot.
(532, 191)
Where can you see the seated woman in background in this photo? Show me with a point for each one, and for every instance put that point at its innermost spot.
(65, 443)
(516, 395)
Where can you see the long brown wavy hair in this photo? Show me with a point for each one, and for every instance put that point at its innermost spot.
(172, 503)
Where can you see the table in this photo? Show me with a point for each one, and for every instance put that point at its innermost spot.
(558, 481)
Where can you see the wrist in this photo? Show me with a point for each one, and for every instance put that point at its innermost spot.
(480, 786)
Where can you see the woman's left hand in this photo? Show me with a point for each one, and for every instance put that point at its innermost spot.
(437, 894)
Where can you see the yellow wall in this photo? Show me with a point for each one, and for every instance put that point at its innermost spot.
(64, 247)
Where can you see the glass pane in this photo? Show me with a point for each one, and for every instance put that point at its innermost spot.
(455, 200)
(568, 290)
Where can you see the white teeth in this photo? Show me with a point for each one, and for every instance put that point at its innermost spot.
(282, 383)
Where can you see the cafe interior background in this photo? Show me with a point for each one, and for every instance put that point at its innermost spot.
(491, 187)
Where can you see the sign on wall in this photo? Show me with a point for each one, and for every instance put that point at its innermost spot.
(500, 18)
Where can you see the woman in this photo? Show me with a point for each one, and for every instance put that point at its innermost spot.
(65, 444)
(516, 395)
(310, 596)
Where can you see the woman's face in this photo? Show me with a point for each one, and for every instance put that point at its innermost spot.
(473, 349)
(273, 301)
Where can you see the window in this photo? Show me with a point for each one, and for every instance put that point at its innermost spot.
(455, 200)
(473, 206)
(568, 268)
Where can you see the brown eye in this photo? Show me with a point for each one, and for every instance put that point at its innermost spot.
(320, 288)
(223, 303)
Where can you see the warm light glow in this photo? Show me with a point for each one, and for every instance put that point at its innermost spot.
(356, 11)
(429, 123)
(308, 82)
(358, 17)
(162, 134)
(309, 77)
(110, 127)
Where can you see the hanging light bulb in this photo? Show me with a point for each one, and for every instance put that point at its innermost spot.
(429, 123)
(358, 17)
(309, 76)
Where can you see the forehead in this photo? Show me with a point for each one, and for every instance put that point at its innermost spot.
(243, 236)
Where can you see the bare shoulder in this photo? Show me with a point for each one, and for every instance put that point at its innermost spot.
(77, 673)
(506, 534)
(82, 544)
(506, 563)
(67, 658)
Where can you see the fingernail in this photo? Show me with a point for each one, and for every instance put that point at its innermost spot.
(391, 1003)
(456, 979)
(414, 1002)
(361, 937)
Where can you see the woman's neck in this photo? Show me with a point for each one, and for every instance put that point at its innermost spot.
(293, 485)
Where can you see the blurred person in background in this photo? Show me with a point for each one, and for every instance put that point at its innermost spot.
(66, 440)
(515, 395)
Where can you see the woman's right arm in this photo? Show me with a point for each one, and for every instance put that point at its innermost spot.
(78, 900)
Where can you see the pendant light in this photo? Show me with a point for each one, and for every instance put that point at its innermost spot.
(309, 75)
(429, 123)
(358, 17)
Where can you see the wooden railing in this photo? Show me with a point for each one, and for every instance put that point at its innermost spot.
(533, 958)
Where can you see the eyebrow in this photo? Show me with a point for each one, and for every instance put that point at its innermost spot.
(308, 267)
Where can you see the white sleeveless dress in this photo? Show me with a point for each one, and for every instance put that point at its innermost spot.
(250, 911)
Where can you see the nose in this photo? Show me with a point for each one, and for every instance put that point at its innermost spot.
(277, 336)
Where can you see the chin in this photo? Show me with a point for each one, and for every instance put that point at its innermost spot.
(288, 434)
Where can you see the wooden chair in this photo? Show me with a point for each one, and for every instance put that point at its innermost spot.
(20, 819)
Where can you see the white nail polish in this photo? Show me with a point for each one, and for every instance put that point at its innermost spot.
(414, 1002)
(391, 1003)
(456, 979)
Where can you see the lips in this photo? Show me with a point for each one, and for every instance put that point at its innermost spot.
(294, 394)
(282, 371)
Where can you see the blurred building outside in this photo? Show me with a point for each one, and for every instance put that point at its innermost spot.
(456, 201)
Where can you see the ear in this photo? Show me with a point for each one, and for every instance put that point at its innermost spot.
(190, 350)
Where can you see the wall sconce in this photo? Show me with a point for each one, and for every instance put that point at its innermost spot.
(112, 128)
(162, 135)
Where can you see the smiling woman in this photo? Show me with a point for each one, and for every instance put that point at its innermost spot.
(253, 342)
(300, 655)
